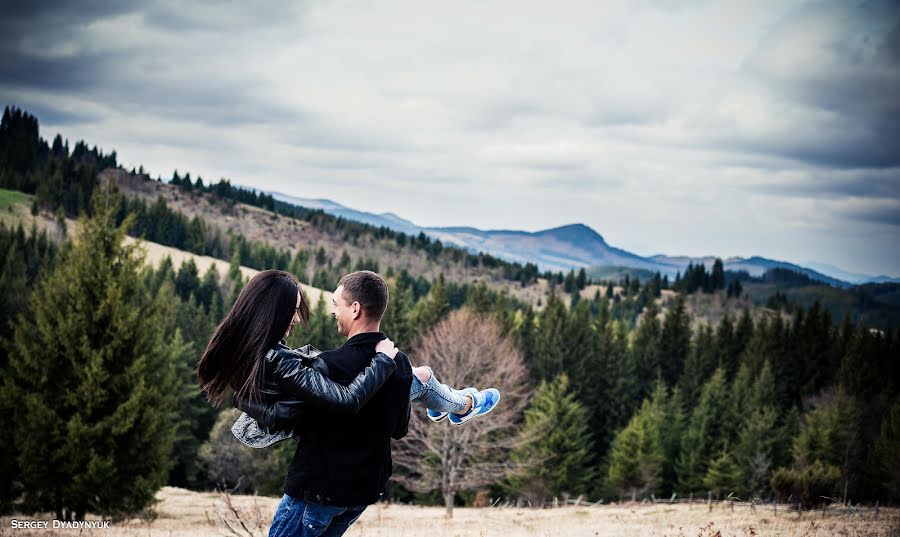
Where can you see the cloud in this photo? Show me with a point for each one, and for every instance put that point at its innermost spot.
(723, 123)
(839, 63)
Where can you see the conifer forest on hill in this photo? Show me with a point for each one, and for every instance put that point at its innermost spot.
(712, 384)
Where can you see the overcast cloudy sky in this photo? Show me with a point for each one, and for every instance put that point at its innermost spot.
(680, 127)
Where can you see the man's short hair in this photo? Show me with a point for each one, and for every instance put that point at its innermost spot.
(367, 288)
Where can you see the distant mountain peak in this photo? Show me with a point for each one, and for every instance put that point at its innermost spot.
(575, 233)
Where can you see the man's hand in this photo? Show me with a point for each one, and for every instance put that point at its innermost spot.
(386, 346)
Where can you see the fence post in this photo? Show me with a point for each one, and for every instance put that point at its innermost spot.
(691, 501)
(824, 506)
(799, 509)
(709, 499)
(732, 505)
(774, 507)
(876, 510)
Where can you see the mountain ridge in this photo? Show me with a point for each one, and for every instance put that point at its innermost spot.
(574, 246)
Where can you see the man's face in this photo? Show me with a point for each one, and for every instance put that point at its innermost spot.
(344, 313)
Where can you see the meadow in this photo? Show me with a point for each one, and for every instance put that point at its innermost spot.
(183, 513)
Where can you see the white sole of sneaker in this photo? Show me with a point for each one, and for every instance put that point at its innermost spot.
(473, 416)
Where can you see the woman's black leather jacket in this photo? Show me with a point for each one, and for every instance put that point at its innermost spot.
(297, 379)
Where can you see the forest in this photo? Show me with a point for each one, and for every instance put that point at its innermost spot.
(621, 395)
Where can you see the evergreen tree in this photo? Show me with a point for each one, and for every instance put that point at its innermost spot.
(703, 439)
(187, 281)
(321, 332)
(580, 347)
(89, 370)
(560, 424)
(195, 417)
(626, 390)
(434, 308)
(396, 318)
(831, 435)
(581, 279)
(700, 364)
(717, 277)
(646, 350)
(636, 455)
(208, 287)
(671, 429)
(674, 342)
(523, 333)
(479, 299)
(887, 453)
(728, 353)
(723, 476)
(550, 344)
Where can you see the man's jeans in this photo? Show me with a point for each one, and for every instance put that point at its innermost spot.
(297, 518)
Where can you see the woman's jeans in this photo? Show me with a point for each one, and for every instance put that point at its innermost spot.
(437, 396)
(297, 518)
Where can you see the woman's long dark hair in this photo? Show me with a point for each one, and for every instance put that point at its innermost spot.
(234, 358)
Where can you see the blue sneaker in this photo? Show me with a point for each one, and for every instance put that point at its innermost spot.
(486, 400)
(438, 417)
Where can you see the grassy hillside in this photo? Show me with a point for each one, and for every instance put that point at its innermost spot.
(10, 197)
(279, 231)
(196, 514)
(15, 210)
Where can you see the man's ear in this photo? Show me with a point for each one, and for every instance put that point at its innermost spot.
(357, 310)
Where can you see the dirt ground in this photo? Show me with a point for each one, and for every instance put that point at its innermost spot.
(182, 513)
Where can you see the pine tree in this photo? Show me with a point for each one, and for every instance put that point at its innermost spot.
(717, 277)
(187, 280)
(703, 438)
(195, 417)
(671, 429)
(723, 476)
(636, 455)
(887, 453)
(674, 342)
(580, 348)
(321, 332)
(479, 299)
(646, 350)
(94, 422)
(831, 435)
(550, 344)
(434, 308)
(396, 318)
(563, 443)
(700, 364)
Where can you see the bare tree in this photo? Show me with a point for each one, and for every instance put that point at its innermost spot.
(466, 349)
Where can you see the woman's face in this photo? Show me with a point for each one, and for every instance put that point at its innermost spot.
(295, 318)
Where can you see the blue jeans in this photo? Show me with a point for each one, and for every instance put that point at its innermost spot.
(437, 396)
(297, 518)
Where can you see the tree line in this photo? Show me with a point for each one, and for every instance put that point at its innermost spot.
(98, 353)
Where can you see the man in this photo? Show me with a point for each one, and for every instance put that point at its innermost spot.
(342, 463)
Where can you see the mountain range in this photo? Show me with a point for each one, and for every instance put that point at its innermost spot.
(574, 246)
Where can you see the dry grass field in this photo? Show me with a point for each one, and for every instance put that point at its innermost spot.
(182, 513)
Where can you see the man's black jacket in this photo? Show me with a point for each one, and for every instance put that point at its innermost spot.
(345, 459)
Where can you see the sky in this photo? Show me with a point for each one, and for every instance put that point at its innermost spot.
(681, 127)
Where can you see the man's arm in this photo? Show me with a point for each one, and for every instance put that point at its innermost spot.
(404, 367)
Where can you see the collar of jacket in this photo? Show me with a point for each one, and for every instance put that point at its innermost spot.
(364, 338)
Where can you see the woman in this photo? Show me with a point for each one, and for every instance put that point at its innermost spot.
(273, 383)
(244, 356)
